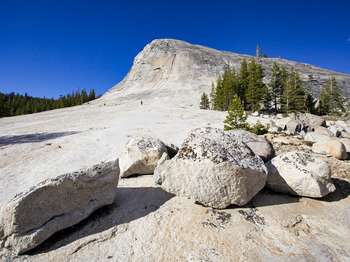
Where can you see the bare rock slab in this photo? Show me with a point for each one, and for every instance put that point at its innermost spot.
(299, 174)
(54, 204)
(141, 155)
(213, 169)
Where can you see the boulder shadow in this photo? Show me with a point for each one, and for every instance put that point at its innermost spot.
(267, 197)
(131, 203)
(342, 190)
(32, 138)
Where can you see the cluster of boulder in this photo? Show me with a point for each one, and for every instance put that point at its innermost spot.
(213, 167)
(328, 137)
(219, 168)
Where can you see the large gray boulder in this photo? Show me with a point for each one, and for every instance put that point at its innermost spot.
(346, 143)
(311, 121)
(293, 126)
(258, 144)
(141, 155)
(332, 147)
(342, 124)
(316, 137)
(54, 204)
(323, 131)
(336, 131)
(299, 174)
(213, 169)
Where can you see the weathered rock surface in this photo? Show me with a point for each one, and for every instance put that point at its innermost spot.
(330, 147)
(316, 137)
(158, 171)
(322, 131)
(141, 155)
(336, 131)
(33, 216)
(293, 126)
(213, 169)
(299, 174)
(311, 121)
(346, 143)
(258, 144)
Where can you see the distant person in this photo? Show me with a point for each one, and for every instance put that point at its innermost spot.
(141, 102)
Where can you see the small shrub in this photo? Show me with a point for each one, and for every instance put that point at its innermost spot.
(258, 129)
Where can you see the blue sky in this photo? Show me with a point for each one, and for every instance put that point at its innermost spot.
(49, 47)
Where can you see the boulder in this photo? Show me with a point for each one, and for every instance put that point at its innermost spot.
(310, 120)
(322, 131)
(54, 204)
(342, 124)
(332, 147)
(213, 169)
(346, 143)
(299, 174)
(258, 144)
(316, 137)
(345, 134)
(293, 126)
(141, 155)
(156, 177)
(336, 131)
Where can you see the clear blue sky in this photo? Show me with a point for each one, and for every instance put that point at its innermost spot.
(49, 47)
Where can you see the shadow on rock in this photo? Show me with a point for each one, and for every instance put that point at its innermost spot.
(342, 190)
(131, 203)
(32, 138)
(267, 197)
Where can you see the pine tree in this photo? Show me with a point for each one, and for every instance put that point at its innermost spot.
(219, 95)
(227, 86)
(92, 94)
(331, 98)
(294, 95)
(256, 90)
(243, 81)
(268, 103)
(276, 85)
(204, 104)
(212, 96)
(236, 117)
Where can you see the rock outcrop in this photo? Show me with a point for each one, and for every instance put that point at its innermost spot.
(299, 174)
(141, 155)
(184, 70)
(33, 216)
(213, 169)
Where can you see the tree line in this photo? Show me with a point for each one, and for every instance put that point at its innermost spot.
(285, 93)
(13, 104)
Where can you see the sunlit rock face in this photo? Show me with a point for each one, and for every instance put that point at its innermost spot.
(175, 70)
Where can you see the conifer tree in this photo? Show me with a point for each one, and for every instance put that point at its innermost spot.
(212, 96)
(204, 104)
(227, 86)
(243, 81)
(92, 95)
(236, 117)
(219, 95)
(294, 95)
(256, 90)
(276, 85)
(331, 98)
